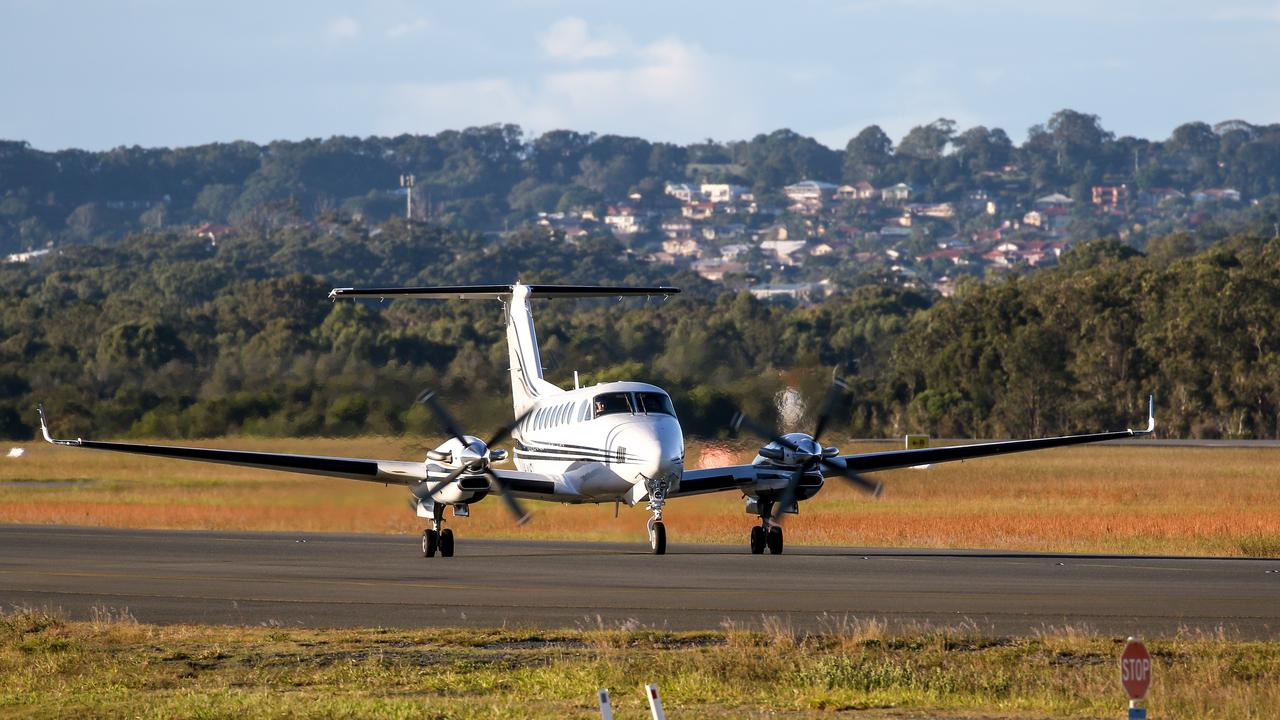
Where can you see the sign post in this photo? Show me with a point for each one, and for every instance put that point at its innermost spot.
(1135, 676)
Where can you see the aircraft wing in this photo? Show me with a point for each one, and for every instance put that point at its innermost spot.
(889, 460)
(746, 478)
(742, 478)
(382, 471)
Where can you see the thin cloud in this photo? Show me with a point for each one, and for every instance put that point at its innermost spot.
(404, 29)
(658, 90)
(569, 39)
(343, 28)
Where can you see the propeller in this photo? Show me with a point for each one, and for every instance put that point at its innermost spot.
(420, 491)
(811, 451)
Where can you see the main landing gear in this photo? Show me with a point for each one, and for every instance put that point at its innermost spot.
(767, 534)
(436, 539)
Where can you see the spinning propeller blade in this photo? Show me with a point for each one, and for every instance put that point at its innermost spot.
(788, 497)
(428, 398)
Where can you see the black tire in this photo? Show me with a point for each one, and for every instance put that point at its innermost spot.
(775, 541)
(430, 541)
(658, 538)
(446, 543)
(757, 540)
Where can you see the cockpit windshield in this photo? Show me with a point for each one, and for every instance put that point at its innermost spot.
(654, 403)
(611, 403)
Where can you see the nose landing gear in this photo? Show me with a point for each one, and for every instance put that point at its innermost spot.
(657, 530)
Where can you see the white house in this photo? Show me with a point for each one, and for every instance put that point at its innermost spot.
(684, 192)
(897, 193)
(722, 192)
(810, 191)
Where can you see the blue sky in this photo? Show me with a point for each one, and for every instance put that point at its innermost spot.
(98, 74)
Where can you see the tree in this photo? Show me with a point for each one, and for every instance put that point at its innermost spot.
(928, 142)
(867, 155)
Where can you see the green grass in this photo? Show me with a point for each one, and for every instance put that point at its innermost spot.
(114, 667)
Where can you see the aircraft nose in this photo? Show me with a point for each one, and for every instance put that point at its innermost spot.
(657, 450)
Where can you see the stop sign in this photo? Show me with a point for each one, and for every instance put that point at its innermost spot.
(1135, 669)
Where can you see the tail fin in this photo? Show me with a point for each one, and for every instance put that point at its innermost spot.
(522, 346)
(522, 342)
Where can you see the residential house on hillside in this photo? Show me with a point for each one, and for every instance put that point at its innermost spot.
(723, 232)
(899, 193)
(861, 190)
(802, 292)
(942, 211)
(1054, 200)
(1110, 197)
(714, 269)
(677, 228)
(782, 249)
(684, 192)
(1051, 219)
(1215, 194)
(809, 196)
(955, 256)
(1160, 196)
(685, 247)
(624, 220)
(724, 193)
(698, 210)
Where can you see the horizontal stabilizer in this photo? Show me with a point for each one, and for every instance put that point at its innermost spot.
(489, 292)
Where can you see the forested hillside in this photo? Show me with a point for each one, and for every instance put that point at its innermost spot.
(167, 335)
(491, 178)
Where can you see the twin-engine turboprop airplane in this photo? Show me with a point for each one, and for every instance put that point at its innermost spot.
(615, 442)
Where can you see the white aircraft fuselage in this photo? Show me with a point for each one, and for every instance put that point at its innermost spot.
(601, 440)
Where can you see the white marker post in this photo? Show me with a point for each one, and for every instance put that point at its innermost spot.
(655, 702)
(606, 708)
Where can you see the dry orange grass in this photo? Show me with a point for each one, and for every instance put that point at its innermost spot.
(1163, 500)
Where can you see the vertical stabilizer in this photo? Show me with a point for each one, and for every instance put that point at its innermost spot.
(522, 346)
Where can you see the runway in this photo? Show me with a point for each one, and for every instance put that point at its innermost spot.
(328, 580)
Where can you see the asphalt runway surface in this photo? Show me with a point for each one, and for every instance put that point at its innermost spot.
(330, 580)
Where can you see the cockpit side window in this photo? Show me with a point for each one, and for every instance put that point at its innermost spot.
(655, 403)
(612, 403)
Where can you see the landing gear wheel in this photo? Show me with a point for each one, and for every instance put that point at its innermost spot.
(430, 541)
(446, 543)
(775, 541)
(757, 540)
(658, 538)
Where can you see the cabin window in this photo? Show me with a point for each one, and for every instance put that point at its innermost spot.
(612, 403)
(655, 403)
(584, 411)
(562, 413)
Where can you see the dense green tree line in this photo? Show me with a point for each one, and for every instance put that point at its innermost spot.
(170, 336)
(488, 178)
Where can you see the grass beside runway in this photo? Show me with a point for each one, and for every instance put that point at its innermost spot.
(114, 667)
(1110, 499)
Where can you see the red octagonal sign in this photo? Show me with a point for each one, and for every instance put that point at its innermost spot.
(1135, 669)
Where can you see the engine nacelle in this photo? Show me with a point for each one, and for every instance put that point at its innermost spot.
(805, 451)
